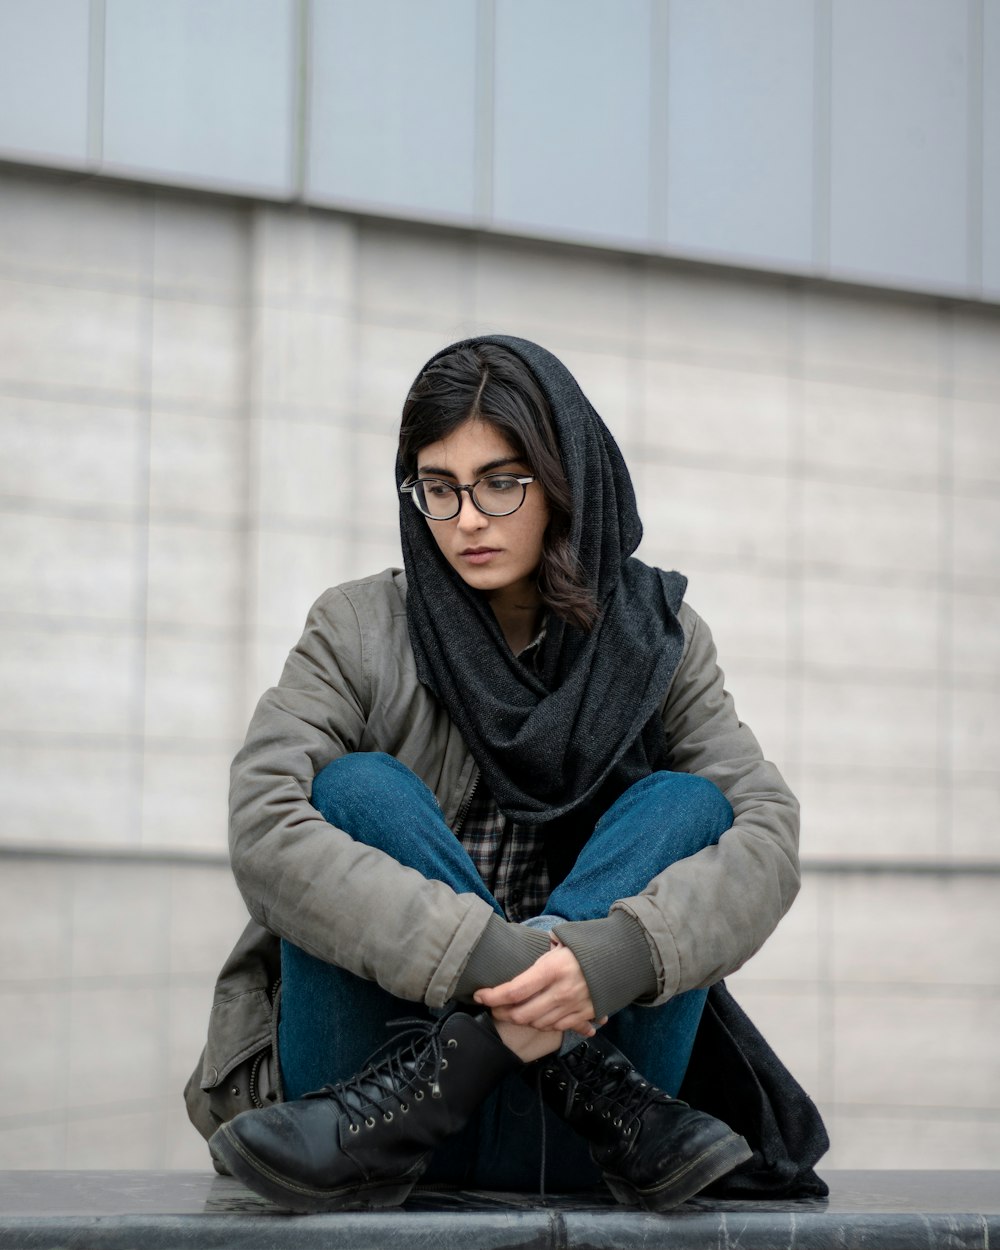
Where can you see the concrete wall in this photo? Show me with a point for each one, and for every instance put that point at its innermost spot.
(198, 400)
(841, 139)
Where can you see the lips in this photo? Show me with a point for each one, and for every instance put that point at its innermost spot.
(478, 555)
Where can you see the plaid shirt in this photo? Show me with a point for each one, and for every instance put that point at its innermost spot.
(509, 857)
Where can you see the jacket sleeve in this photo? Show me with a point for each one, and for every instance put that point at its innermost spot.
(707, 914)
(309, 882)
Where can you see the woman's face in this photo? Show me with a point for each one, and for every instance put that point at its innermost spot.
(496, 555)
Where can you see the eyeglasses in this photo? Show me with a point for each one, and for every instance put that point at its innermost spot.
(498, 494)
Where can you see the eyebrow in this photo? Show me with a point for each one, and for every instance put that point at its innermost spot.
(480, 472)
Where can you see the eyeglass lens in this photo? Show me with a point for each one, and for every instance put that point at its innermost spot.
(496, 495)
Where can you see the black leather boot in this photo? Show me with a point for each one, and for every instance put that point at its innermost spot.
(653, 1150)
(366, 1142)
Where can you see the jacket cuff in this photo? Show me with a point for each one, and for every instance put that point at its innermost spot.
(504, 950)
(615, 959)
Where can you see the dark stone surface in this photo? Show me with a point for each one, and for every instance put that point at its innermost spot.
(159, 1210)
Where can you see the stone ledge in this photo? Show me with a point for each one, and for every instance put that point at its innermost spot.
(199, 1211)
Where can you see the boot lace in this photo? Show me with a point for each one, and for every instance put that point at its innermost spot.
(391, 1074)
(614, 1090)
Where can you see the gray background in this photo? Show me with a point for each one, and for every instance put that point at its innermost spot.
(838, 138)
(230, 234)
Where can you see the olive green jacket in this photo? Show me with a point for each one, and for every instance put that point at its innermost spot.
(350, 684)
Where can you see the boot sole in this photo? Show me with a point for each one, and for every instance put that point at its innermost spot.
(286, 1193)
(716, 1161)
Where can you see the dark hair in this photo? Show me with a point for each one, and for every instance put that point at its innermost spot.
(488, 382)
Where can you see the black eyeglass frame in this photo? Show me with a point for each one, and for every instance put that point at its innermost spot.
(524, 480)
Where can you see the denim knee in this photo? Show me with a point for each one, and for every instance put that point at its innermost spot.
(381, 803)
(682, 814)
(703, 802)
(343, 791)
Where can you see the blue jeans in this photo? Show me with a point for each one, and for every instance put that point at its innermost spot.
(332, 1020)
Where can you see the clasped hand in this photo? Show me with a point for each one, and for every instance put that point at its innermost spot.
(550, 995)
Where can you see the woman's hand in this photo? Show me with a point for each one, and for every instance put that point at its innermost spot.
(551, 994)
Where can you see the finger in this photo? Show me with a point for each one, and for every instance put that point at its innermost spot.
(546, 1011)
(577, 1021)
(507, 995)
(530, 1013)
(503, 995)
(501, 1014)
(562, 1018)
(562, 1022)
(575, 1024)
(535, 980)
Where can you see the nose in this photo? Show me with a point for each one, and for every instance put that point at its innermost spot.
(470, 518)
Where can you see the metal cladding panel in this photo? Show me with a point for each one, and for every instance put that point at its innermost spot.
(393, 104)
(43, 79)
(739, 128)
(571, 138)
(900, 142)
(201, 93)
(991, 150)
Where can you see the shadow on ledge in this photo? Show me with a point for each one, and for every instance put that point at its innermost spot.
(198, 1211)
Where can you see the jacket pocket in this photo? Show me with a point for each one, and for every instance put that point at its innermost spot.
(238, 1069)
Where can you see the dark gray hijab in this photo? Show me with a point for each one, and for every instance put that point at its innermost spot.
(567, 739)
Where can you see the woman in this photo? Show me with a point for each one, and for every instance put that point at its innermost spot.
(510, 782)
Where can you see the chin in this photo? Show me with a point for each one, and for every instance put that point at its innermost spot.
(482, 579)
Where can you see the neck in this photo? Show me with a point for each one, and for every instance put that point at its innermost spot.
(518, 621)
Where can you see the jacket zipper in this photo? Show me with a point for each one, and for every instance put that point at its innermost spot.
(460, 819)
(255, 1098)
(253, 1087)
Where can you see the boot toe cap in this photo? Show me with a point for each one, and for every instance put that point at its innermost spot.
(299, 1140)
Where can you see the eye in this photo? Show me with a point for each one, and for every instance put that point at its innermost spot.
(434, 488)
(501, 483)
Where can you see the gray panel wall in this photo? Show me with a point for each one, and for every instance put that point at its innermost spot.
(43, 79)
(198, 401)
(740, 124)
(991, 150)
(840, 138)
(899, 173)
(201, 92)
(571, 138)
(393, 105)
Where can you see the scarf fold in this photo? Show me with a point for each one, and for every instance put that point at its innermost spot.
(586, 726)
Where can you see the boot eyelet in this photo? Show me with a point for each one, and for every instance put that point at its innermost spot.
(435, 1093)
(419, 1095)
(588, 1106)
(355, 1128)
(444, 1064)
(369, 1122)
(605, 1115)
(387, 1118)
(550, 1071)
(452, 1043)
(618, 1123)
(403, 1108)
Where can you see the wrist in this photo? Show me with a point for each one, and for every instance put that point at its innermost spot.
(504, 950)
(614, 957)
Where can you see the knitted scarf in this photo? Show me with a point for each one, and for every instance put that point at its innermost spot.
(574, 736)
